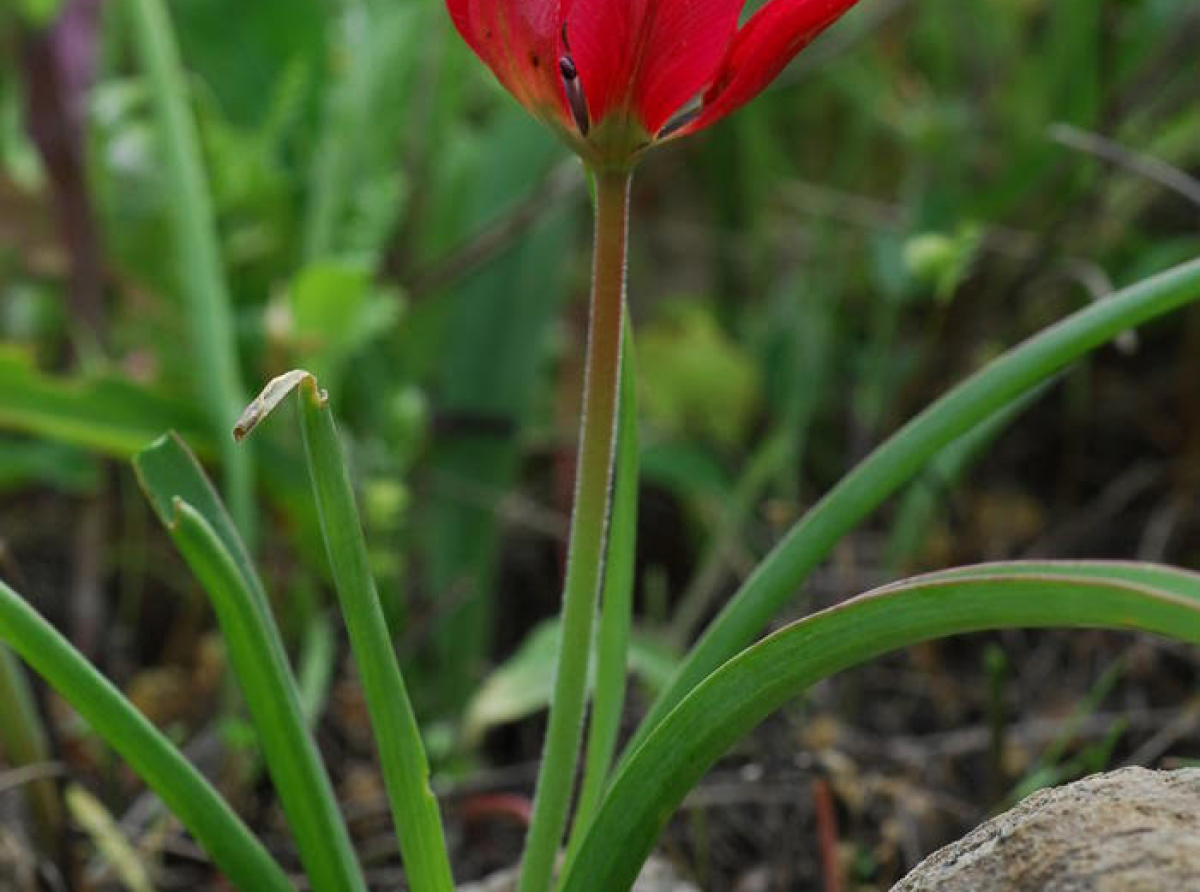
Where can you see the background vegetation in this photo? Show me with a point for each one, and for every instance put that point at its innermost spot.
(928, 184)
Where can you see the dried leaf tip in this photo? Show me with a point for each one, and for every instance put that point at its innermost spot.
(271, 396)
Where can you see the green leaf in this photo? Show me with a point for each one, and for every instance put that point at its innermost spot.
(730, 702)
(167, 470)
(103, 414)
(401, 751)
(518, 687)
(201, 280)
(1181, 583)
(202, 530)
(208, 817)
(897, 460)
(522, 684)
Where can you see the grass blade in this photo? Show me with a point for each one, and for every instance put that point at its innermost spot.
(1181, 583)
(167, 470)
(896, 461)
(202, 533)
(201, 276)
(401, 751)
(737, 696)
(208, 817)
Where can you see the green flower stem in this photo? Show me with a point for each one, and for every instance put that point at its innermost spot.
(616, 606)
(585, 550)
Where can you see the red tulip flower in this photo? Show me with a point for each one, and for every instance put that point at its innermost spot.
(614, 77)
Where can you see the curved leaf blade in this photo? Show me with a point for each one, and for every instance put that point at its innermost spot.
(167, 470)
(895, 462)
(218, 829)
(398, 737)
(190, 509)
(741, 693)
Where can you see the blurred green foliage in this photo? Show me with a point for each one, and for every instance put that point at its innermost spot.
(803, 276)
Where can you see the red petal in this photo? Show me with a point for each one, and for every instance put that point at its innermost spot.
(649, 55)
(520, 41)
(761, 49)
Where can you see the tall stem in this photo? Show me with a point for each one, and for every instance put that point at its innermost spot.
(593, 476)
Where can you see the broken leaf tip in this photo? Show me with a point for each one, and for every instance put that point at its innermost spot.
(271, 396)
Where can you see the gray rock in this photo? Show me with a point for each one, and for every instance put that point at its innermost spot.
(1131, 830)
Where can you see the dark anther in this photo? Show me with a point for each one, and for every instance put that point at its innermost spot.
(575, 97)
(678, 123)
(534, 60)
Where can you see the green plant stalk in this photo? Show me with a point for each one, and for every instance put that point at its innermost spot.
(585, 549)
(401, 751)
(201, 276)
(24, 741)
(731, 701)
(616, 604)
(240, 857)
(263, 674)
(895, 462)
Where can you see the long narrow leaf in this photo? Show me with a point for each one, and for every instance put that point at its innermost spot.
(201, 275)
(896, 461)
(736, 697)
(167, 470)
(256, 653)
(401, 751)
(1182, 583)
(240, 857)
